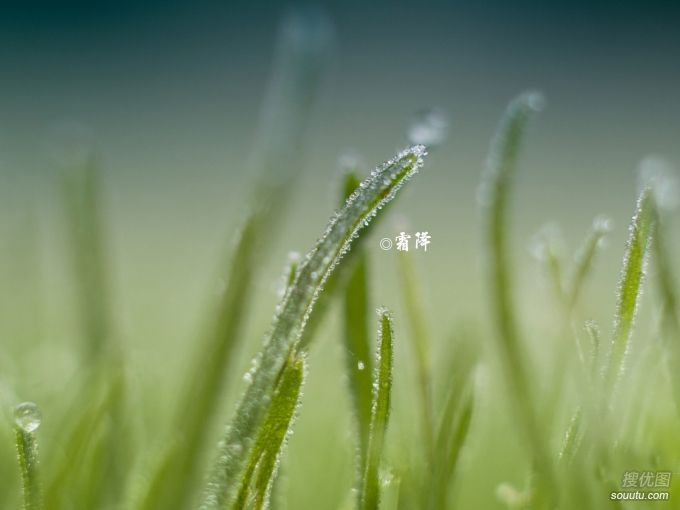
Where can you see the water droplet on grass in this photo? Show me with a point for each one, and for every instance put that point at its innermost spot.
(27, 416)
(360, 365)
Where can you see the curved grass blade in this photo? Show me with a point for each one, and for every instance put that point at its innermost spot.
(27, 420)
(421, 346)
(261, 469)
(382, 390)
(494, 196)
(294, 311)
(357, 341)
(584, 259)
(630, 286)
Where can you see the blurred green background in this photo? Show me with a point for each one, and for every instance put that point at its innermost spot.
(170, 94)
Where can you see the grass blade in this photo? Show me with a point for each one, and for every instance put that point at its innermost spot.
(82, 203)
(304, 40)
(421, 346)
(453, 426)
(297, 304)
(27, 420)
(494, 196)
(169, 488)
(630, 286)
(584, 259)
(356, 337)
(261, 470)
(382, 389)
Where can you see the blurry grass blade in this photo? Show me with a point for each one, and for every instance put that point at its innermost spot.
(454, 424)
(27, 420)
(95, 427)
(170, 488)
(495, 193)
(667, 286)
(584, 258)
(357, 341)
(83, 210)
(570, 443)
(420, 341)
(382, 389)
(302, 47)
(261, 469)
(630, 286)
(297, 304)
(302, 50)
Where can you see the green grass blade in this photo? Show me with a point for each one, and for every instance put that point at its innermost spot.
(454, 425)
(584, 259)
(357, 341)
(297, 304)
(170, 486)
(669, 297)
(495, 194)
(382, 389)
(421, 346)
(27, 420)
(302, 47)
(630, 286)
(82, 204)
(262, 465)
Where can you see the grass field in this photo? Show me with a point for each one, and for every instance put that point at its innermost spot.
(132, 377)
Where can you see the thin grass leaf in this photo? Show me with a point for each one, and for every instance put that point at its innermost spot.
(262, 466)
(495, 193)
(453, 426)
(666, 285)
(170, 487)
(584, 259)
(421, 346)
(630, 286)
(293, 313)
(357, 341)
(92, 428)
(302, 46)
(382, 392)
(27, 420)
(82, 203)
(83, 206)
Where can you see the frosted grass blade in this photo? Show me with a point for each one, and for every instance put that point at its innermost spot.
(357, 341)
(294, 311)
(494, 195)
(630, 286)
(27, 420)
(382, 390)
(278, 425)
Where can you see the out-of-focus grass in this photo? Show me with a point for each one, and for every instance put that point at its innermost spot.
(490, 423)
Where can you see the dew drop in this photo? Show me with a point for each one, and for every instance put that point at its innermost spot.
(27, 416)
(360, 365)
(428, 127)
